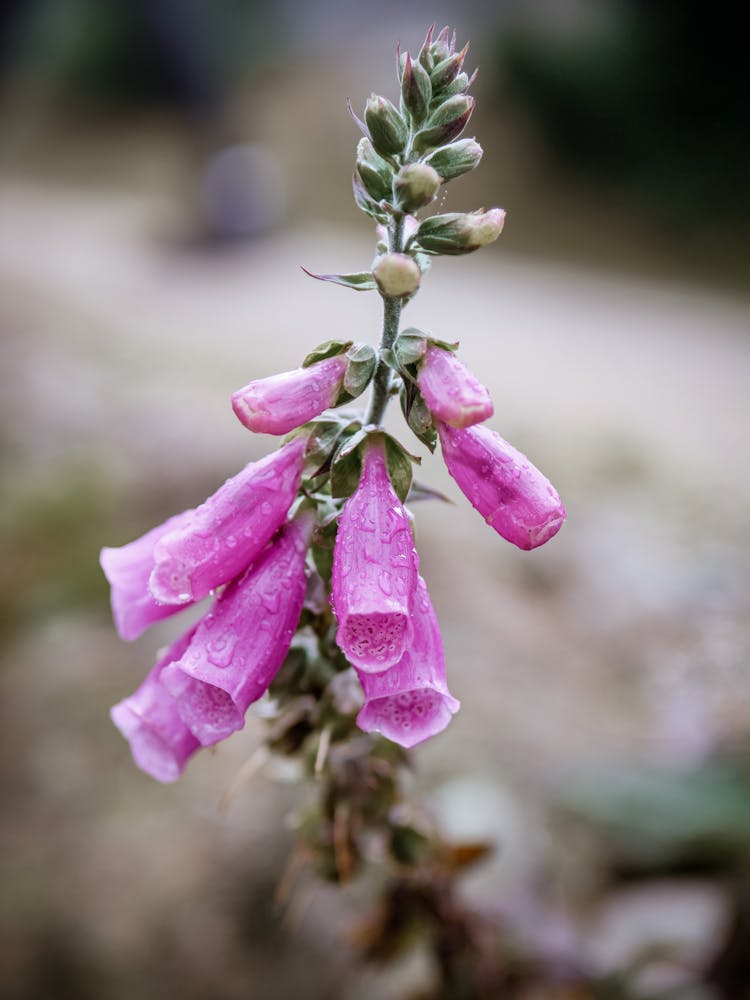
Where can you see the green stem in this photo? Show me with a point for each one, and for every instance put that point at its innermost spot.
(381, 382)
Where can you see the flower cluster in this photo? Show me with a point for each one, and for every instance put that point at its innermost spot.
(325, 513)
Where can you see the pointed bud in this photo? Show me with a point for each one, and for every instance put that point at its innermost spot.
(375, 174)
(397, 275)
(416, 185)
(388, 129)
(441, 47)
(445, 124)
(446, 71)
(278, 404)
(451, 392)
(458, 86)
(456, 233)
(416, 89)
(511, 494)
(374, 569)
(364, 202)
(456, 159)
(410, 702)
(425, 55)
(240, 644)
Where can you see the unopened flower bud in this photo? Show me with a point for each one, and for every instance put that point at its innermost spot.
(397, 275)
(387, 128)
(374, 172)
(456, 159)
(452, 393)
(456, 233)
(446, 71)
(446, 123)
(416, 185)
(416, 89)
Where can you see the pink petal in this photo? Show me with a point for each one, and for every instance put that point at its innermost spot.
(128, 569)
(451, 392)
(230, 530)
(508, 491)
(278, 404)
(374, 570)
(160, 741)
(410, 702)
(241, 643)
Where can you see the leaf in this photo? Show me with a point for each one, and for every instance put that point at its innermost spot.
(362, 364)
(347, 466)
(328, 349)
(410, 347)
(399, 467)
(417, 415)
(360, 281)
(325, 434)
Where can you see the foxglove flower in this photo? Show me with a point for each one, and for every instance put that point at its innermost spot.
(278, 404)
(374, 570)
(452, 393)
(508, 491)
(240, 644)
(128, 569)
(159, 740)
(410, 702)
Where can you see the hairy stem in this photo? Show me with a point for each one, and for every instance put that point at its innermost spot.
(381, 382)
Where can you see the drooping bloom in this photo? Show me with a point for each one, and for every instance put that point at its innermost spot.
(159, 740)
(278, 404)
(452, 393)
(410, 701)
(128, 569)
(225, 534)
(508, 491)
(374, 570)
(240, 644)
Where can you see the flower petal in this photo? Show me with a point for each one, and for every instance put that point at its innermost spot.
(410, 702)
(227, 532)
(241, 643)
(160, 741)
(451, 392)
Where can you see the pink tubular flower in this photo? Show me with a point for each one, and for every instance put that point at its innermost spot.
(278, 404)
(374, 570)
(410, 702)
(241, 643)
(159, 740)
(225, 534)
(508, 491)
(452, 393)
(128, 569)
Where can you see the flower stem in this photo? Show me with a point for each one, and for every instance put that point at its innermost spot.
(381, 382)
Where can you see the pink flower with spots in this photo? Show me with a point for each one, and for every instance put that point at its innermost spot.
(374, 569)
(451, 392)
(278, 404)
(238, 647)
(410, 701)
(508, 491)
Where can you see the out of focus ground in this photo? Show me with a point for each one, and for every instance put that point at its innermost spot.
(604, 678)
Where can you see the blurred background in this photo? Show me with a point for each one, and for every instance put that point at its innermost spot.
(165, 169)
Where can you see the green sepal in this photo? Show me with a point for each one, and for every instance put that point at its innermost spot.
(410, 347)
(362, 365)
(417, 414)
(360, 281)
(324, 433)
(346, 467)
(328, 349)
(365, 203)
(323, 540)
(399, 462)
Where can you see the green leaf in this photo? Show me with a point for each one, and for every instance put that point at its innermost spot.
(410, 347)
(360, 281)
(328, 349)
(362, 364)
(347, 466)
(399, 464)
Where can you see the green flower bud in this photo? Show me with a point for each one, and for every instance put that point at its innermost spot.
(388, 129)
(375, 174)
(458, 86)
(397, 275)
(456, 233)
(446, 71)
(416, 185)
(446, 123)
(456, 159)
(416, 89)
